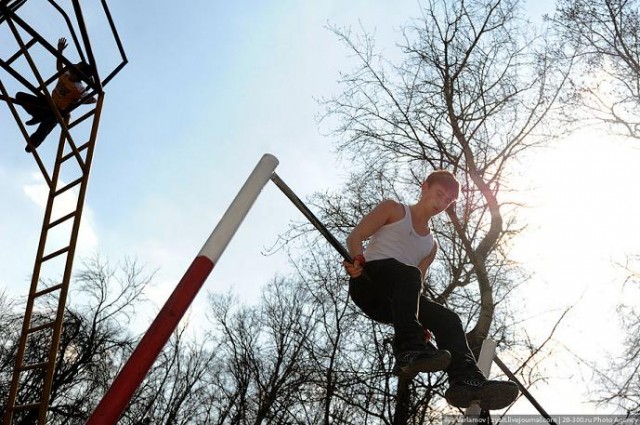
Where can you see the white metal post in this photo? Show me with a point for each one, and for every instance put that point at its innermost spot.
(136, 368)
(487, 352)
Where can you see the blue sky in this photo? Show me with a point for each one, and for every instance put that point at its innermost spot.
(208, 89)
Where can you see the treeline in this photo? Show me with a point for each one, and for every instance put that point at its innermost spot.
(302, 355)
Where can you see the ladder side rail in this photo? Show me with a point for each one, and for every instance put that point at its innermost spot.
(44, 399)
(35, 280)
(57, 333)
(67, 20)
(24, 132)
(74, 149)
(116, 37)
(87, 45)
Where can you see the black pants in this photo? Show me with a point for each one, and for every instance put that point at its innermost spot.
(391, 293)
(40, 110)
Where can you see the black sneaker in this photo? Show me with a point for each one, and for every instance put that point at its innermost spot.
(490, 395)
(30, 147)
(409, 363)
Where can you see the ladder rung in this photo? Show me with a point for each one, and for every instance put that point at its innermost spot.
(82, 118)
(55, 254)
(72, 153)
(41, 327)
(61, 219)
(32, 366)
(47, 290)
(69, 186)
(30, 406)
(20, 52)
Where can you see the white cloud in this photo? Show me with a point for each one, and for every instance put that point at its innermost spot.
(37, 191)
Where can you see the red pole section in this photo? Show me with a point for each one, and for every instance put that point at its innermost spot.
(136, 368)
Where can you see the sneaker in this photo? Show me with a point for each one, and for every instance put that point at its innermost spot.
(33, 121)
(30, 146)
(409, 363)
(490, 395)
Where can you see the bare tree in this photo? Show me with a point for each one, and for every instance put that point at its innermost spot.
(474, 91)
(471, 95)
(605, 37)
(175, 389)
(94, 341)
(264, 350)
(619, 380)
(350, 371)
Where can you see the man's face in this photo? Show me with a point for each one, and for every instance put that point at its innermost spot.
(437, 197)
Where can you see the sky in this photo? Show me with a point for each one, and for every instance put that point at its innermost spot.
(210, 88)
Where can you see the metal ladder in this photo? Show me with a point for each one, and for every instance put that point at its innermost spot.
(34, 372)
(35, 366)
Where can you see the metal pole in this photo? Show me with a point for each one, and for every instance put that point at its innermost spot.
(524, 391)
(136, 368)
(311, 217)
(487, 353)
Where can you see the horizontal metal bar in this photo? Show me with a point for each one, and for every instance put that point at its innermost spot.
(72, 153)
(20, 52)
(55, 254)
(61, 219)
(33, 366)
(30, 406)
(524, 391)
(69, 186)
(41, 327)
(47, 290)
(311, 217)
(82, 118)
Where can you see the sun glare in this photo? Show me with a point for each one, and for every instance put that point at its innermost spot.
(582, 224)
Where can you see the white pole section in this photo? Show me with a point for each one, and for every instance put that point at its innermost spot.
(136, 368)
(237, 211)
(487, 352)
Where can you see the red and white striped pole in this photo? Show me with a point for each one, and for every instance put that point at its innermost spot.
(136, 368)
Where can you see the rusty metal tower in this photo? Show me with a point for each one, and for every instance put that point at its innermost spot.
(24, 28)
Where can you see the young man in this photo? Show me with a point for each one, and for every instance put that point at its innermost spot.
(386, 283)
(68, 90)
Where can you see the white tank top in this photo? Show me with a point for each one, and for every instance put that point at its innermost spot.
(399, 240)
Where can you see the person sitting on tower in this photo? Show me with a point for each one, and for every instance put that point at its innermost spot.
(68, 90)
(386, 282)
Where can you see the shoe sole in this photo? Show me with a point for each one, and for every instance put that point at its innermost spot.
(491, 396)
(498, 395)
(432, 364)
